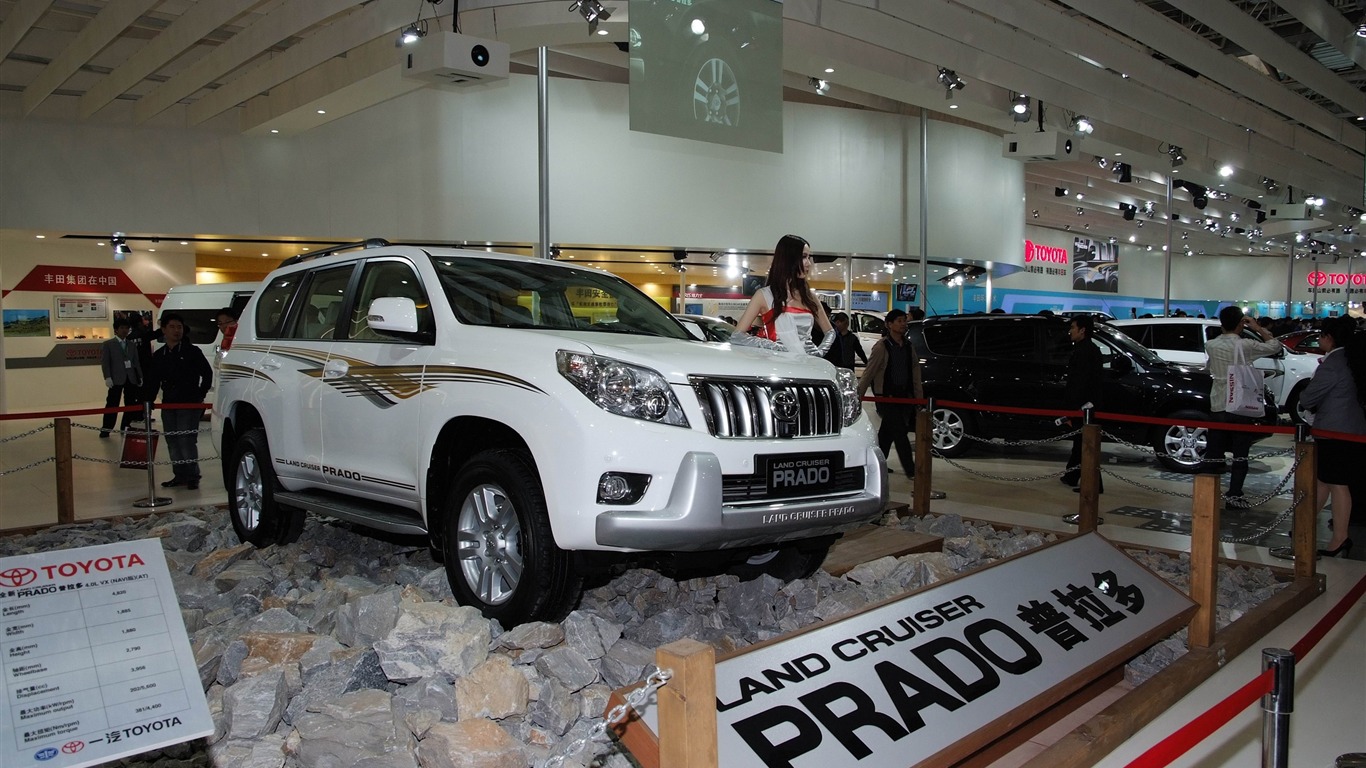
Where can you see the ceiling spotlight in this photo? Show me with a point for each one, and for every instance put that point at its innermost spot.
(1316, 202)
(592, 12)
(821, 87)
(120, 243)
(1177, 155)
(1112, 240)
(889, 265)
(1128, 211)
(1269, 184)
(1082, 125)
(1035, 213)
(1361, 29)
(1225, 171)
(1060, 191)
(1102, 163)
(951, 82)
(1019, 108)
(1133, 238)
(1233, 216)
(1081, 211)
(1124, 171)
(412, 33)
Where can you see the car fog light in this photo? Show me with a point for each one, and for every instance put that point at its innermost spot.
(622, 487)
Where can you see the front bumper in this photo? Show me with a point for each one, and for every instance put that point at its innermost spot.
(694, 519)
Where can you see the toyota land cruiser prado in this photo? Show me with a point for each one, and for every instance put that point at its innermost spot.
(519, 412)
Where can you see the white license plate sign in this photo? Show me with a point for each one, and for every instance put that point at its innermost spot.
(805, 474)
(904, 682)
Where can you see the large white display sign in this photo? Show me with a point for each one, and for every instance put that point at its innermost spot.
(903, 683)
(96, 663)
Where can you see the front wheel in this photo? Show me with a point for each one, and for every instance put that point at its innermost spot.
(1292, 407)
(1181, 448)
(500, 554)
(951, 431)
(256, 517)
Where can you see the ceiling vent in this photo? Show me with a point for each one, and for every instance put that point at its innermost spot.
(447, 58)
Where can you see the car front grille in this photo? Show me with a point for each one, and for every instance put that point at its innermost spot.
(749, 408)
(738, 489)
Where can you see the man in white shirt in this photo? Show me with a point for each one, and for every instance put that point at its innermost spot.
(1220, 350)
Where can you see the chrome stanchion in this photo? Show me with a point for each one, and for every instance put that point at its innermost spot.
(153, 500)
(1277, 706)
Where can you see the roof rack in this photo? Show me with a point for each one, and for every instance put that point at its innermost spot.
(373, 242)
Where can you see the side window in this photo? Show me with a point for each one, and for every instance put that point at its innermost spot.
(1186, 337)
(320, 303)
(947, 339)
(872, 324)
(1107, 354)
(1143, 334)
(1005, 341)
(1057, 345)
(274, 302)
(389, 278)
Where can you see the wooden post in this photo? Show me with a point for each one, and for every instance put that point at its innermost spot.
(687, 705)
(1305, 517)
(920, 484)
(1088, 506)
(66, 500)
(1204, 559)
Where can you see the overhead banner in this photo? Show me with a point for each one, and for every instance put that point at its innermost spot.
(708, 70)
(908, 683)
(1095, 265)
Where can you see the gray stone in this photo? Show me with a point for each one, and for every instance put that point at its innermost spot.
(553, 707)
(348, 670)
(368, 618)
(431, 638)
(567, 666)
(357, 727)
(874, 572)
(425, 703)
(255, 705)
(533, 634)
(469, 744)
(581, 634)
(493, 689)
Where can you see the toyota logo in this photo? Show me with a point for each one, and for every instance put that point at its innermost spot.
(1318, 278)
(17, 577)
(72, 747)
(785, 405)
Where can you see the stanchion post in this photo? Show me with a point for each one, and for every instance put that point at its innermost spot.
(1204, 559)
(1304, 519)
(1277, 706)
(1088, 505)
(66, 500)
(687, 705)
(152, 501)
(921, 483)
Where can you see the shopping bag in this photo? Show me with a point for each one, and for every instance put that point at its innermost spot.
(135, 452)
(1246, 392)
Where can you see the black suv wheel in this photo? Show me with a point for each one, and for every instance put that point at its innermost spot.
(1180, 448)
(951, 431)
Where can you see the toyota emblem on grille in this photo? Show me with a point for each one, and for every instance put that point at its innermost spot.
(785, 404)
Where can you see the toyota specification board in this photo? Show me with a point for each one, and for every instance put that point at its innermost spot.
(96, 662)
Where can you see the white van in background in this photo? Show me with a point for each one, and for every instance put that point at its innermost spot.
(199, 305)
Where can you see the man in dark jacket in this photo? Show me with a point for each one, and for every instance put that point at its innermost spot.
(1084, 372)
(183, 375)
(846, 345)
(894, 371)
(122, 374)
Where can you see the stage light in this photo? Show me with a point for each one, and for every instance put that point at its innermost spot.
(1082, 125)
(821, 87)
(1177, 155)
(592, 12)
(951, 82)
(120, 243)
(1019, 108)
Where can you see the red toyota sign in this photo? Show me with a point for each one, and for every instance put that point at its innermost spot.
(1320, 279)
(1036, 252)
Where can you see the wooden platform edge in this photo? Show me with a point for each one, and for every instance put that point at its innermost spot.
(1094, 740)
(871, 542)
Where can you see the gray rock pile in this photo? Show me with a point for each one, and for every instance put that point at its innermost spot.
(348, 650)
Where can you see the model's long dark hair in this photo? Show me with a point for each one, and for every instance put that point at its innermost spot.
(784, 274)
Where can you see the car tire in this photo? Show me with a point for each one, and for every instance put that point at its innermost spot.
(713, 88)
(500, 554)
(1182, 449)
(1292, 405)
(951, 430)
(256, 516)
(796, 560)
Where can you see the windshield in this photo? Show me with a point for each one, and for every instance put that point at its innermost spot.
(538, 294)
(1139, 352)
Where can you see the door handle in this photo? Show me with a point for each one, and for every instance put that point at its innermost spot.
(335, 369)
(271, 364)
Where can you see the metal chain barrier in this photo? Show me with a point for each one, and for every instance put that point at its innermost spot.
(38, 463)
(163, 463)
(1160, 491)
(1024, 443)
(1004, 478)
(656, 680)
(29, 433)
(1268, 528)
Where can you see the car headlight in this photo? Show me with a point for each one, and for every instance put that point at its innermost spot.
(622, 388)
(849, 399)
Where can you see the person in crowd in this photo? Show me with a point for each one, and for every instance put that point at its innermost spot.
(893, 370)
(227, 325)
(183, 375)
(1337, 396)
(915, 313)
(140, 338)
(846, 345)
(122, 374)
(786, 308)
(1084, 375)
(1220, 350)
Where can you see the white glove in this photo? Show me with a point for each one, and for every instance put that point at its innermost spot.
(108, 383)
(742, 339)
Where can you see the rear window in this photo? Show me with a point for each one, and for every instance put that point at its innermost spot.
(947, 339)
(1005, 341)
(274, 302)
(1185, 337)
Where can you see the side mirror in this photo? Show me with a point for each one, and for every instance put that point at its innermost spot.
(392, 314)
(1120, 365)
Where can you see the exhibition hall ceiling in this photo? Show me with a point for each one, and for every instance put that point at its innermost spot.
(1268, 92)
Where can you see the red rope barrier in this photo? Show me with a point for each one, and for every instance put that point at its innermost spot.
(1350, 437)
(98, 411)
(1192, 733)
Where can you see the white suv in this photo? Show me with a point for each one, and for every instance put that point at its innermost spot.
(519, 412)
(1182, 340)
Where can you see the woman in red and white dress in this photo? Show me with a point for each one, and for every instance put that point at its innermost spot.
(786, 308)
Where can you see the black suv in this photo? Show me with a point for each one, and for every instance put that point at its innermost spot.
(1021, 360)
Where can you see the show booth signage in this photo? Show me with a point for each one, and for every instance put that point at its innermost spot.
(929, 678)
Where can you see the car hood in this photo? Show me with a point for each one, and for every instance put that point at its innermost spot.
(677, 359)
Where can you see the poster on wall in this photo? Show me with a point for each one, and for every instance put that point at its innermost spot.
(82, 308)
(27, 322)
(907, 291)
(1095, 265)
(708, 70)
